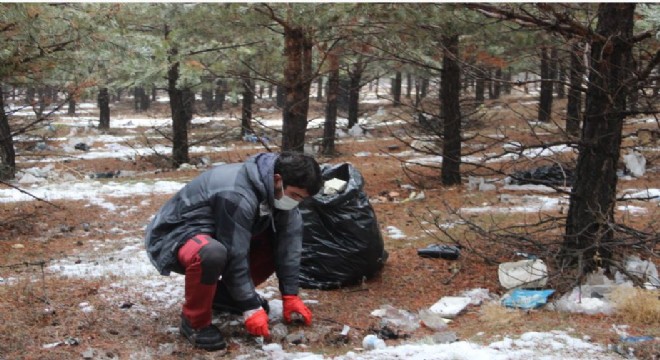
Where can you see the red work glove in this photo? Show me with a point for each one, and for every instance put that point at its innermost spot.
(293, 304)
(256, 322)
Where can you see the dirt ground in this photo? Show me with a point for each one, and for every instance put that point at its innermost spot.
(42, 308)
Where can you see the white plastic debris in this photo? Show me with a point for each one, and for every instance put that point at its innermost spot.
(372, 342)
(450, 306)
(523, 274)
(644, 269)
(635, 163)
(334, 186)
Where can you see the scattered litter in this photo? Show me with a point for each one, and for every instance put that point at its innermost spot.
(446, 337)
(394, 232)
(356, 131)
(362, 154)
(398, 318)
(414, 196)
(71, 341)
(372, 342)
(526, 299)
(255, 139)
(18, 246)
(81, 146)
(477, 296)
(334, 186)
(635, 163)
(450, 306)
(479, 183)
(442, 251)
(644, 269)
(345, 330)
(636, 339)
(548, 175)
(433, 320)
(523, 274)
(591, 297)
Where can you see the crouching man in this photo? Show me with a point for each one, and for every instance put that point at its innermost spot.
(227, 231)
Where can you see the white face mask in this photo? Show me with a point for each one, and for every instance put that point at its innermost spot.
(285, 202)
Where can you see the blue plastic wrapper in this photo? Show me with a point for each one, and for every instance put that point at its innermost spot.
(527, 299)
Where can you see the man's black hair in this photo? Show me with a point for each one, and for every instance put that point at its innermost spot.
(299, 170)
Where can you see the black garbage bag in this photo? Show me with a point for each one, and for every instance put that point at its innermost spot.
(342, 243)
(545, 175)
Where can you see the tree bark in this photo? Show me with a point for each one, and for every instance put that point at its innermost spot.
(497, 83)
(248, 101)
(545, 101)
(71, 109)
(589, 236)
(409, 85)
(297, 81)
(396, 89)
(330, 125)
(179, 116)
(220, 94)
(355, 77)
(319, 89)
(450, 93)
(104, 108)
(574, 105)
(7, 152)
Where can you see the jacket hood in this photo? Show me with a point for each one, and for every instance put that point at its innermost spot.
(266, 170)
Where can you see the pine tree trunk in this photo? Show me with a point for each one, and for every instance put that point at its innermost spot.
(507, 82)
(297, 81)
(319, 89)
(409, 85)
(71, 110)
(330, 126)
(589, 235)
(248, 100)
(179, 116)
(545, 102)
(497, 83)
(7, 153)
(450, 93)
(104, 108)
(220, 94)
(396, 89)
(354, 94)
(574, 104)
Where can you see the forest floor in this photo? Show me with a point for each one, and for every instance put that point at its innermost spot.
(41, 307)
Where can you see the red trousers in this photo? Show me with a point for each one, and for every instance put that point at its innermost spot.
(204, 260)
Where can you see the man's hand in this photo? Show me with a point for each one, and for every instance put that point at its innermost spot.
(293, 304)
(256, 322)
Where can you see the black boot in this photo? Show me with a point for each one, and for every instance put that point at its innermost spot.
(207, 338)
(224, 303)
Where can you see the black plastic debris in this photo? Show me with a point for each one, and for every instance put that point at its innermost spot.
(440, 251)
(554, 174)
(81, 146)
(342, 243)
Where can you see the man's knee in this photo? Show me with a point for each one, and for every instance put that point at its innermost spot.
(213, 258)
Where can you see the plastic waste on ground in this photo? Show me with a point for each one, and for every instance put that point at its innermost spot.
(442, 251)
(342, 242)
(450, 306)
(397, 318)
(545, 175)
(528, 274)
(372, 342)
(433, 320)
(526, 299)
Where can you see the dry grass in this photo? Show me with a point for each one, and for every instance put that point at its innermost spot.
(635, 305)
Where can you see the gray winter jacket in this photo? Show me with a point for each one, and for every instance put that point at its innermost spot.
(230, 202)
